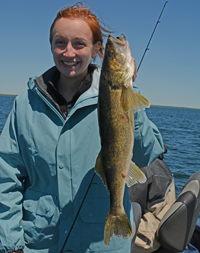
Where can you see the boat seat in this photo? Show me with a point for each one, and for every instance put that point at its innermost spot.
(137, 214)
(178, 224)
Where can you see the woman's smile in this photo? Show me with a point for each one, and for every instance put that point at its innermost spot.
(70, 63)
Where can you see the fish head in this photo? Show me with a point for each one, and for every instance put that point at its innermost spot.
(118, 67)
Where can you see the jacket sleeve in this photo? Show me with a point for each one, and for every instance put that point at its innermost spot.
(12, 173)
(148, 143)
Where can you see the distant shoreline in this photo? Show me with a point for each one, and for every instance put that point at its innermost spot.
(167, 106)
(179, 107)
(7, 95)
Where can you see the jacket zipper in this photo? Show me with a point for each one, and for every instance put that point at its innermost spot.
(56, 111)
(50, 105)
(77, 102)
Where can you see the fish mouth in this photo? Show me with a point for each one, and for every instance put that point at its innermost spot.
(117, 48)
(119, 66)
(121, 41)
(118, 44)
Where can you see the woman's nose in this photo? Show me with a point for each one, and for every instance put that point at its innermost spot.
(69, 51)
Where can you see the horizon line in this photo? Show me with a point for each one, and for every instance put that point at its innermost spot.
(168, 106)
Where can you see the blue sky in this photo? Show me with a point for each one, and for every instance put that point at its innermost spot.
(169, 73)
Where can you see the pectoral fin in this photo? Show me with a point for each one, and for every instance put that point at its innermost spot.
(132, 100)
(99, 170)
(135, 175)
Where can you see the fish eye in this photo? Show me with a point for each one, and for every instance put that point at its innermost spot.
(111, 53)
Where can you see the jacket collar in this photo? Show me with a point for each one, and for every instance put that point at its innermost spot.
(43, 82)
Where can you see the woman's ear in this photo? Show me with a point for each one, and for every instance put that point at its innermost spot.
(96, 48)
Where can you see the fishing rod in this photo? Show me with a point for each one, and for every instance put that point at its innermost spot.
(77, 214)
(147, 47)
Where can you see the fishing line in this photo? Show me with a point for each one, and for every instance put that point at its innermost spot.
(77, 214)
(147, 47)
(85, 233)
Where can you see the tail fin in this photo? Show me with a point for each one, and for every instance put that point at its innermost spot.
(118, 226)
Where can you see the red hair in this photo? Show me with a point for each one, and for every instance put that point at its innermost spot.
(78, 10)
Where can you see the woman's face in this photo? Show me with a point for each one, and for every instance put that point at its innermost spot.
(72, 47)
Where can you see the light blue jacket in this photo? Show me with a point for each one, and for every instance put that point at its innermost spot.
(46, 165)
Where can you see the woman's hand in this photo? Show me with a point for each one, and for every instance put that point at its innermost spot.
(135, 72)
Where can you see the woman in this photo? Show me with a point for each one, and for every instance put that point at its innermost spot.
(49, 146)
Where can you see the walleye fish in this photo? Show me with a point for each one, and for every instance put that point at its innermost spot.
(116, 104)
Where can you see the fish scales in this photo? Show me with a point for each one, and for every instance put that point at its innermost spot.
(116, 104)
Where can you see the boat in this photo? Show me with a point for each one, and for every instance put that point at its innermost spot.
(178, 225)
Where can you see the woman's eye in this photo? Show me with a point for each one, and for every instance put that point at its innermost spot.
(59, 42)
(79, 44)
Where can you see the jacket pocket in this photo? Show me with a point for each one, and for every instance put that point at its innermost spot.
(40, 216)
(93, 215)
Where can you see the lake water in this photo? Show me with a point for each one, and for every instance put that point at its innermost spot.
(180, 129)
(6, 104)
